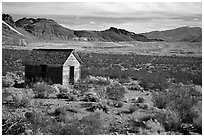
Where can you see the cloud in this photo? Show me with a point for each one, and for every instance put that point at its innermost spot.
(108, 9)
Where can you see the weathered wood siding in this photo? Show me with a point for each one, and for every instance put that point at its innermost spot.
(53, 73)
(71, 61)
(32, 72)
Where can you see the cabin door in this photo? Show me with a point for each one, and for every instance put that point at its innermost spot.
(71, 75)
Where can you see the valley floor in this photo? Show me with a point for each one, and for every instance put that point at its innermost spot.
(128, 47)
(121, 93)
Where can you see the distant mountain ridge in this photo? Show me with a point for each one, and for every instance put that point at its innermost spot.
(186, 34)
(48, 29)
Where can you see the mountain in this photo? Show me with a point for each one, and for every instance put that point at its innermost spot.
(186, 34)
(10, 34)
(8, 19)
(49, 29)
(114, 34)
(45, 28)
(30, 29)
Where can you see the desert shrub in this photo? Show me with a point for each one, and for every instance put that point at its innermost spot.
(147, 117)
(115, 91)
(64, 89)
(98, 80)
(101, 92)
(178, 101)
(60, 114)
(90, 97)
(132, 125)
(170, 119)
(160, 99)
(182, 99)
(42, 124)
(88, 125)
(98, 106)
(40, 89)
(61, 118)
(197, 120)
(153, 128)
(154, 81)
(60, 111)
(67, 96)
(16, 97)
(43, 90)
(63, 96)
(39, 122)
(9, 79)
(86, 104)
(134, 85)
(132, 108)
(73, 98)
(123, 80)
(82, 87)
(91, 124)
(13, 125)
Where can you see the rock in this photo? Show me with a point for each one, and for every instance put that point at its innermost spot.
(133, 100)
(28, 132)
(19, 84)
(193, 133)
(118, 104)
(55, 86)
(126, 101)
(91, 96)
(119, 114)
(98, 107)
(137, 100)
(144, 106)
(140, 100)
(119, 122)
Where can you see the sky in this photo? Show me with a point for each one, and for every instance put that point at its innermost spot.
(137, 17)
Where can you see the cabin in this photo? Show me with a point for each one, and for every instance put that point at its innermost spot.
(58, 66)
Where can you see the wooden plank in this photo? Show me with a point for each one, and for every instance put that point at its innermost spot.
(71, 61)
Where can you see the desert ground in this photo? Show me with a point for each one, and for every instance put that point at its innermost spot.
(136, 47)
(128, 88)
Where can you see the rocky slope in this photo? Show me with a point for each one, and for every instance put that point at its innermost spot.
(45, 28)
(10, 34)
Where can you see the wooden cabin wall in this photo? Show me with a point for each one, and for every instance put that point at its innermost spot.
(54, 73)
(71, 61)
(32, 72)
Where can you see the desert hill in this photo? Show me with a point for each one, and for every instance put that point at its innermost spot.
(186, 34)
(28, 29)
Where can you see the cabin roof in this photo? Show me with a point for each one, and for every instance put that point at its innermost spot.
(50, 56)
